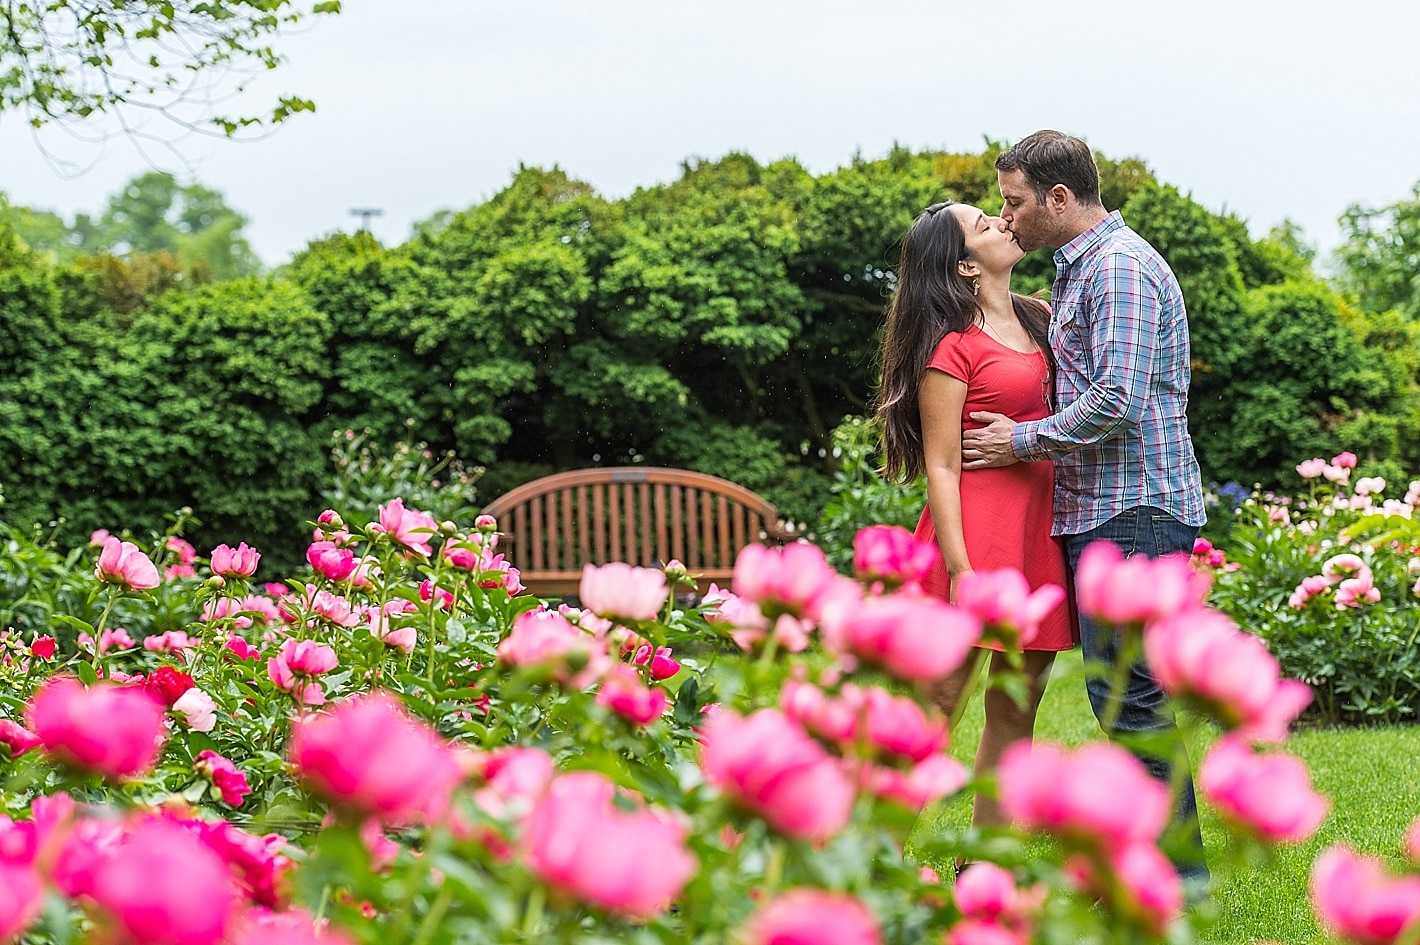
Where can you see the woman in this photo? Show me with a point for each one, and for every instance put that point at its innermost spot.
(959, 340)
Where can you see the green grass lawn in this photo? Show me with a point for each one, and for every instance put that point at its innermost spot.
(1372, 777)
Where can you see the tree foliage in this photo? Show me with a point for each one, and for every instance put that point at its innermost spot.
(62, 61)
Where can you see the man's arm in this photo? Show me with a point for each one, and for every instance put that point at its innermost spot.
(1122, 331)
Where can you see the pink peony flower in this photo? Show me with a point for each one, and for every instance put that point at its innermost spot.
(410, 528)
(932, 778)
(229, 781)
(256, 861)
(892, 554)
(382, 626)
(1344, 460)
(240, 648)
(1352, 592)
(623, 692)
(1097, 797)
(1203, 657)
(661, 664)
(369, 755)
(620, 592)
(783, 580)
(331, 561)
(813, 917)
(1133, 591)
(1269, 796)
(548, 639)
(308, 658)
(116, 638)
(771, 766)
(235, 562)
(1137, 880)
(898, 726)
(1336, 474)
(186, 555)
(17, 740)
(163, 886)
(580, 842)
(117, 731)
(123, 564)
(914, 638)
(1311, 468)
(175, 642)
(42, 647)
(1357, 900)
(197, 709)
(1004, 603)
(21, 899)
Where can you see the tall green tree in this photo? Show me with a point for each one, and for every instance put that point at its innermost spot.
(1380, 258)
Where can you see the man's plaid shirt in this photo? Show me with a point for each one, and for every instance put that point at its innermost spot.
(1119, 332)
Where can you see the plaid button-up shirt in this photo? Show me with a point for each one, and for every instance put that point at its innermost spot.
(1119, 438)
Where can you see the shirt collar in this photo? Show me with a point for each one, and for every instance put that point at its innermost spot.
(1077, 247)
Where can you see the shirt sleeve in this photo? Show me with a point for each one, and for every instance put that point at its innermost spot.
(952, 357)
(1122, 330)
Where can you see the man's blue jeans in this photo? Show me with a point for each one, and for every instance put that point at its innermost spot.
(1151, 532)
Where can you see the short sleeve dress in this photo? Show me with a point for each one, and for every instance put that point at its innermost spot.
(1005, 512)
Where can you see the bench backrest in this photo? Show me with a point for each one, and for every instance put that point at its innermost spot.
(640, 515)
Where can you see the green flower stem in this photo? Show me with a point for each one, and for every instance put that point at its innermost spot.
(430, 925)
(97, 660)
(532, 915)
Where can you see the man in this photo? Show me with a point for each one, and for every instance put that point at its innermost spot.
(1124, 465)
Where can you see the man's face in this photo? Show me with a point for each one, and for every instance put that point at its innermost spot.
(1026, 216)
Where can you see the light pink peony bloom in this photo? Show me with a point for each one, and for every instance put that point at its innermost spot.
(382, 625)
(1203, 657)
(1336, 474)
(985, 932)
(162, 886)
(898, 726)
(369, 755)
(1269, 796)
(813, 917)
(580, 842)
(893, 555)
(17, 739)
(1357, 900)
(1369, 485)
(986, 891)
(295, 927)
(308, 658)
(514, 778)
(409, 527)
(331, 561)
(235, 562)
(197, 709)
(229, 781)
(1339, 567)
(1097, 797)
(913, 637)
(772, 767)
(1355, 591)
(1344, 460)
(115, 638)
(1133, 591)
(1311, 468)
(834, 719)
(122, 563)
(620, 592)
(548, 639)
(623, 692)
(176, 642)
(1004, 603)
(186, 555)
(783, 580)
(117, 731)
(1311, 586)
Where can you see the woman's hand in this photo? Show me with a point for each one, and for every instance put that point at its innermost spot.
(956, 582)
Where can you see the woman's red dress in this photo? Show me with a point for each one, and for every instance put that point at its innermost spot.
(1005, 512)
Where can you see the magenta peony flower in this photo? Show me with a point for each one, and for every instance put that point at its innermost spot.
(623, 692)
(892, 554)
(235, 562)
(162, 886)
(618, 591)
(1006, 606)
(331, 561)
(1134, 591)
(17, 739)
(229, 781)
(117, 731)
(294, 927)
(772, 767)
(1203, 657)
(1097, 797)
(1344, 460)
(1136, 879)
(121, 563)
(783, 580)
(369, 755)
(21, 896)
(580, 842)
(932, 778)
(813, 917)
(915, 638)
(1356, 899)
(408, 527)
(1269, 796)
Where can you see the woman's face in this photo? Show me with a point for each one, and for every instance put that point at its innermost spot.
(989, 243)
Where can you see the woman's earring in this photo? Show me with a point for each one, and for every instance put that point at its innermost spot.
(975, 286)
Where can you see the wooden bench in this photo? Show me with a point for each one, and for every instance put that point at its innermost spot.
(644, 516)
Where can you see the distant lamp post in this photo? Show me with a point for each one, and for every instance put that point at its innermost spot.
(364, 213)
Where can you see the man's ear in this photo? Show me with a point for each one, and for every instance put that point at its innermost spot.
(1059, 198)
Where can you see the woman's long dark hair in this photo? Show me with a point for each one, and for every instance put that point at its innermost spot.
(931, 300)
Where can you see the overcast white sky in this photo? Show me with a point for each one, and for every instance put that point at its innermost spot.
(1266, 108)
